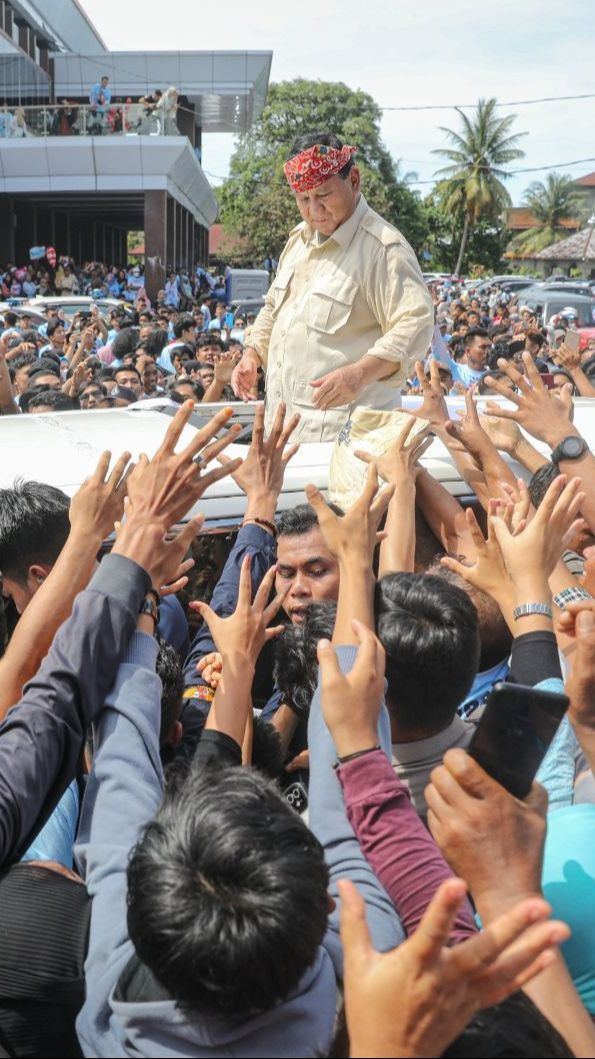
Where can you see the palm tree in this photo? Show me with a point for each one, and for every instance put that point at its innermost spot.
(471, 187)
(550, 201)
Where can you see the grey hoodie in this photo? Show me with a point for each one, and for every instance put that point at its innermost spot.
(123, 794)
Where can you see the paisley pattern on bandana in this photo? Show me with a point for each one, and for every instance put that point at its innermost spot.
(318, 163)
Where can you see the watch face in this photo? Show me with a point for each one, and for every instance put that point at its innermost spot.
(572, 447)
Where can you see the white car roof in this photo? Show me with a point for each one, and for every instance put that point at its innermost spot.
(63, 448)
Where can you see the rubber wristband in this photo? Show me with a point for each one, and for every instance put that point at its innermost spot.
(356, 754)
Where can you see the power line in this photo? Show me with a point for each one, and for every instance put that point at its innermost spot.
(515, 172)
(510, 103)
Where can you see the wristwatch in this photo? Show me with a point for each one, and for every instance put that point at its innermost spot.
(570, 448)
(150, 606)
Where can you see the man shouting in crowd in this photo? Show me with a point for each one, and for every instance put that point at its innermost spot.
(348, 312)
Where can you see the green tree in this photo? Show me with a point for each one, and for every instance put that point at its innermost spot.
(471, 187)
(485, 246)
(256, 202)
(551, 201)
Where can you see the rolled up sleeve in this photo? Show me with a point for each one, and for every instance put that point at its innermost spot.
(403, 307)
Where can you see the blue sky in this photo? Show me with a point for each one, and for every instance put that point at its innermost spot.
(403, 54)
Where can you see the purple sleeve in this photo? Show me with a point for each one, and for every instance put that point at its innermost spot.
(396, 843)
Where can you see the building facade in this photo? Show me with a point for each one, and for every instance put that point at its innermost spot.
(84, 160)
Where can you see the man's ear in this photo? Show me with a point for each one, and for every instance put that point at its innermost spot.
(37, 573)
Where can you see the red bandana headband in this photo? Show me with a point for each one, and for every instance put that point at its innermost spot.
(312, 167)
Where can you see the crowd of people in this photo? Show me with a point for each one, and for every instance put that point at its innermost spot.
(257, 824)
(272, 841)
(153, 114)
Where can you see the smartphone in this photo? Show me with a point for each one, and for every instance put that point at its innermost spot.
(296, 794)
(572, 340)
(514, 733)
(547, 379)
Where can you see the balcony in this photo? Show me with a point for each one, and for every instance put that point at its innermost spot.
(73, 119)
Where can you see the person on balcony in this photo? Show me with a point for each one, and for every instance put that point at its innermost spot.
(100, 98)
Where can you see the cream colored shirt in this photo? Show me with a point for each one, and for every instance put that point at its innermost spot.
(359, 292)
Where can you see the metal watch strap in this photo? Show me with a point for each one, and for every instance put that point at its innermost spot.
(525, 610)
(572, 594)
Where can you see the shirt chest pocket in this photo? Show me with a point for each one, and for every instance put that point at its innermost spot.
(330, 304)
(281, 285)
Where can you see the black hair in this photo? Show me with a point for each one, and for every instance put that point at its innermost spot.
(183, 323)
(267, 749)
(498, 329)
(299, 520)
(53, 325)
(34, 527)
(198, 390)
(169, 670)
(124, 342)
(184, 348)
(325, 139)
(295, 667)
(98, 385)
(30, 335)
(45, 366)
(429, 630)
(495, 637)
(57, 400)
(155, 343)
(541, 481)
(485, 387)
(104, 375)
(474, 332)
(515, 347)
(10, 318)
(515, 1027)
(500, 350)
(537, 337)
(210, 339)
(23, 360)
(126, 367)
(227, 901)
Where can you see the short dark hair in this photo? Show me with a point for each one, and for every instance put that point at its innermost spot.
(155, 343)
(182, 350)
(34, 527)
(183, 323)
(53, 325)
(124, 342)
(23, 360)
(10, 318)
(429, 631)
(45, 366)
(126, 367)
(325, 139)
(169, 670)
(299, 520)
(513, 1027)
(267, 750)
(472, 333)
(227, 901)
(210, 339)
(535, 336)
(54, 399)
(295, 668)
(495, 637)
(541, 481)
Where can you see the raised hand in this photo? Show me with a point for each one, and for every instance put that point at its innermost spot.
(539, 411)
(415, 1000)
(164, 488)
(505, 434)
(433, 406)
(244, 633)
(210, 667)
(244, 375)
(99, 503)
(399, 463)
(493, 840)
(261, 474)
(489, 572)
(355, 533)
(351, 702)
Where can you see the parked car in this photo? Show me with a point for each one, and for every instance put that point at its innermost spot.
(78, 303)
(247, 305)
(20, 310)
(548, 303)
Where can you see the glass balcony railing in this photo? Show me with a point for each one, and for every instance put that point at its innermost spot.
(73, 119)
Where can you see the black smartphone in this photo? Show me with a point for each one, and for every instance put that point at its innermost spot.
(514, 733)
(297, 796)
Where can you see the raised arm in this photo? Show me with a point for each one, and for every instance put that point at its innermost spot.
(93, 511)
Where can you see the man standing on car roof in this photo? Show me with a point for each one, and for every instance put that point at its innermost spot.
(348, 311)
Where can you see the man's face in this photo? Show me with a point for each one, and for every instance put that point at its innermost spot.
(163, 323)
(477, 352)
(219, 310)
(178, 360)
(532, 348)
(145, 331)
(206, 375)
(326, 207)
(131, 380)
(305, 565)
(58, 337)
(21, 376)
(150, 376)
(209, 354)
(91, 397)
(199, 320)
(189, 334)
(22, 594)
(48, 382)
(187, 391)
